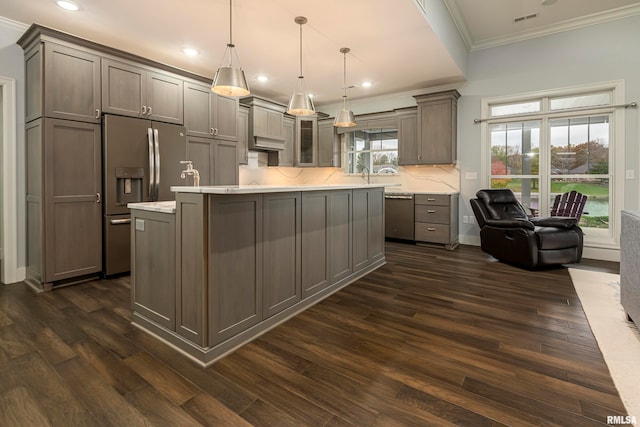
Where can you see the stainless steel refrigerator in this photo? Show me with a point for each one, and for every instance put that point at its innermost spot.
(141, 161)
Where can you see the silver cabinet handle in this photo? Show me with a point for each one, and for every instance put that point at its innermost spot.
(156, 140)
(97, 113)
(212, 131)
(120, 221)
(149, 109)
(431, 211)
(144, 109)
(215, 132)
(152, 165)
(431, 229)
(98, 198)
(431, 200)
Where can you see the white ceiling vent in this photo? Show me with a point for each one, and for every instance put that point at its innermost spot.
(526, 17)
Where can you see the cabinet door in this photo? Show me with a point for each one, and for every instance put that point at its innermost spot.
(235, 265)
(198, 110)
(72, 84)
(281, 252)
(225, 117)
(123, 89)
(285, 157)
(243, 135)
(153, 275)
(435, 133)
(315, 242)
(326, 144)
(225, 162)
(200, 152)
(165, 98)
(72, 212)
(306, 141)
(407, 139)
(340, 235)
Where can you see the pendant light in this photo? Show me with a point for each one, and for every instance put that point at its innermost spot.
(230, 80)
(301, 103)
(345, 118)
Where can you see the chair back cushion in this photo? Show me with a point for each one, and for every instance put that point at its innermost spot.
(502, 204)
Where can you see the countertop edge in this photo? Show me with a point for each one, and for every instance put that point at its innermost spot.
(257, 189)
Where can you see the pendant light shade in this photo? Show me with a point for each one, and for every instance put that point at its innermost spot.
(345, 118)
(301, 103)
(230, 80)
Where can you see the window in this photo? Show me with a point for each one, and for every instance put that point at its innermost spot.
(373, 149)
(548, 145)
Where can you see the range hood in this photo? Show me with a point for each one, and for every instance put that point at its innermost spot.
(264, 143)
(266, 124)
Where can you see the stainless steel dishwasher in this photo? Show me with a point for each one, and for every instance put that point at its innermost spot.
(399, 216)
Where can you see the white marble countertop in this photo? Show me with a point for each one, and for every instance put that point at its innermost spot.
(162, 207)
(256, 189)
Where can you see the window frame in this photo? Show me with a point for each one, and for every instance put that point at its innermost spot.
(604, 240)
(345, 142)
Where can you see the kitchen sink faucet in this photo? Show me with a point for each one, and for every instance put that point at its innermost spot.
(190, 171)
(368, 174)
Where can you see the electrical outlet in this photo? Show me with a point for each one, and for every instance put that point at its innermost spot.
(471, 175)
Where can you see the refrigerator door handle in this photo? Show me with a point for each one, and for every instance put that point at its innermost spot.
(152, 166)
(156, 139)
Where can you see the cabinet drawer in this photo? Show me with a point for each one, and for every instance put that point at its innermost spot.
(432, 199)
(432, 214)
(433, 233)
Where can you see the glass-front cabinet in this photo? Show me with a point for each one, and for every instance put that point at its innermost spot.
(306, 141)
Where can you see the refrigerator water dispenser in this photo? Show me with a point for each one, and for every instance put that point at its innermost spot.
(129, 185)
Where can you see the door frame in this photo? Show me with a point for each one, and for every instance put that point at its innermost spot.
(10, 273)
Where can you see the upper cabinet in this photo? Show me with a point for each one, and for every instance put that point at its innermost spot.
(243, 135)
(209, 115)
(436, 129)
(71, 89)
(285, 157)
(408, 138)
(135, 91)
(328, 144)
(306, 141)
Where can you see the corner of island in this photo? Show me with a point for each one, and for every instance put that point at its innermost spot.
(223, 265)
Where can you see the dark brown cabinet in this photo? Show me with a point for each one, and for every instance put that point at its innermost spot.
(71, 89)
(209, 115)
(131, 90)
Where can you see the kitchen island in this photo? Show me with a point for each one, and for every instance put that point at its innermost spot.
(226, 264)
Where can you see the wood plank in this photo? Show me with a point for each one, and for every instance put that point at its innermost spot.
(211, 412)
(18, 408)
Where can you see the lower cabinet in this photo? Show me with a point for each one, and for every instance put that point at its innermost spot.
(368, 226)
(315, 242)
(436, 217)
(153, 274)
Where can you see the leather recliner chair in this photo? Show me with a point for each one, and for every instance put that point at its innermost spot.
(508, 234)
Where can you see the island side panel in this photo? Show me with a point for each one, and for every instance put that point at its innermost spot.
(376, 224)
(191, 267)
(235, 264)
(153, 270)
(315, 242)
(281, 252)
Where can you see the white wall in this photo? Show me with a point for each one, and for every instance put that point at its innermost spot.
(12, 67)
(600, 53)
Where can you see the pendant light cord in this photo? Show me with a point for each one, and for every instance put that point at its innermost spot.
(301, 75)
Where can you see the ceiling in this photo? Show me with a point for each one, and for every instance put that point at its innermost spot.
(392, 44)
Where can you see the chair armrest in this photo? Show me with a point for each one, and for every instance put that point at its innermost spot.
(555, 221)
(510, 223)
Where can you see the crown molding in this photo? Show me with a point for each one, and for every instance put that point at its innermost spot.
(571, 24)
(14, 25)
(454, 11)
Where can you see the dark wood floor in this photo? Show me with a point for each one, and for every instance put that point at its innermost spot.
(434, 337)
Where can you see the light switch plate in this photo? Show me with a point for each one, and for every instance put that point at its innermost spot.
(471, 175)
(139, 224)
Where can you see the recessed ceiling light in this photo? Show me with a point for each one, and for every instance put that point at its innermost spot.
(263, 78)
(67, 5)
(189, 51)
(366, 84)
